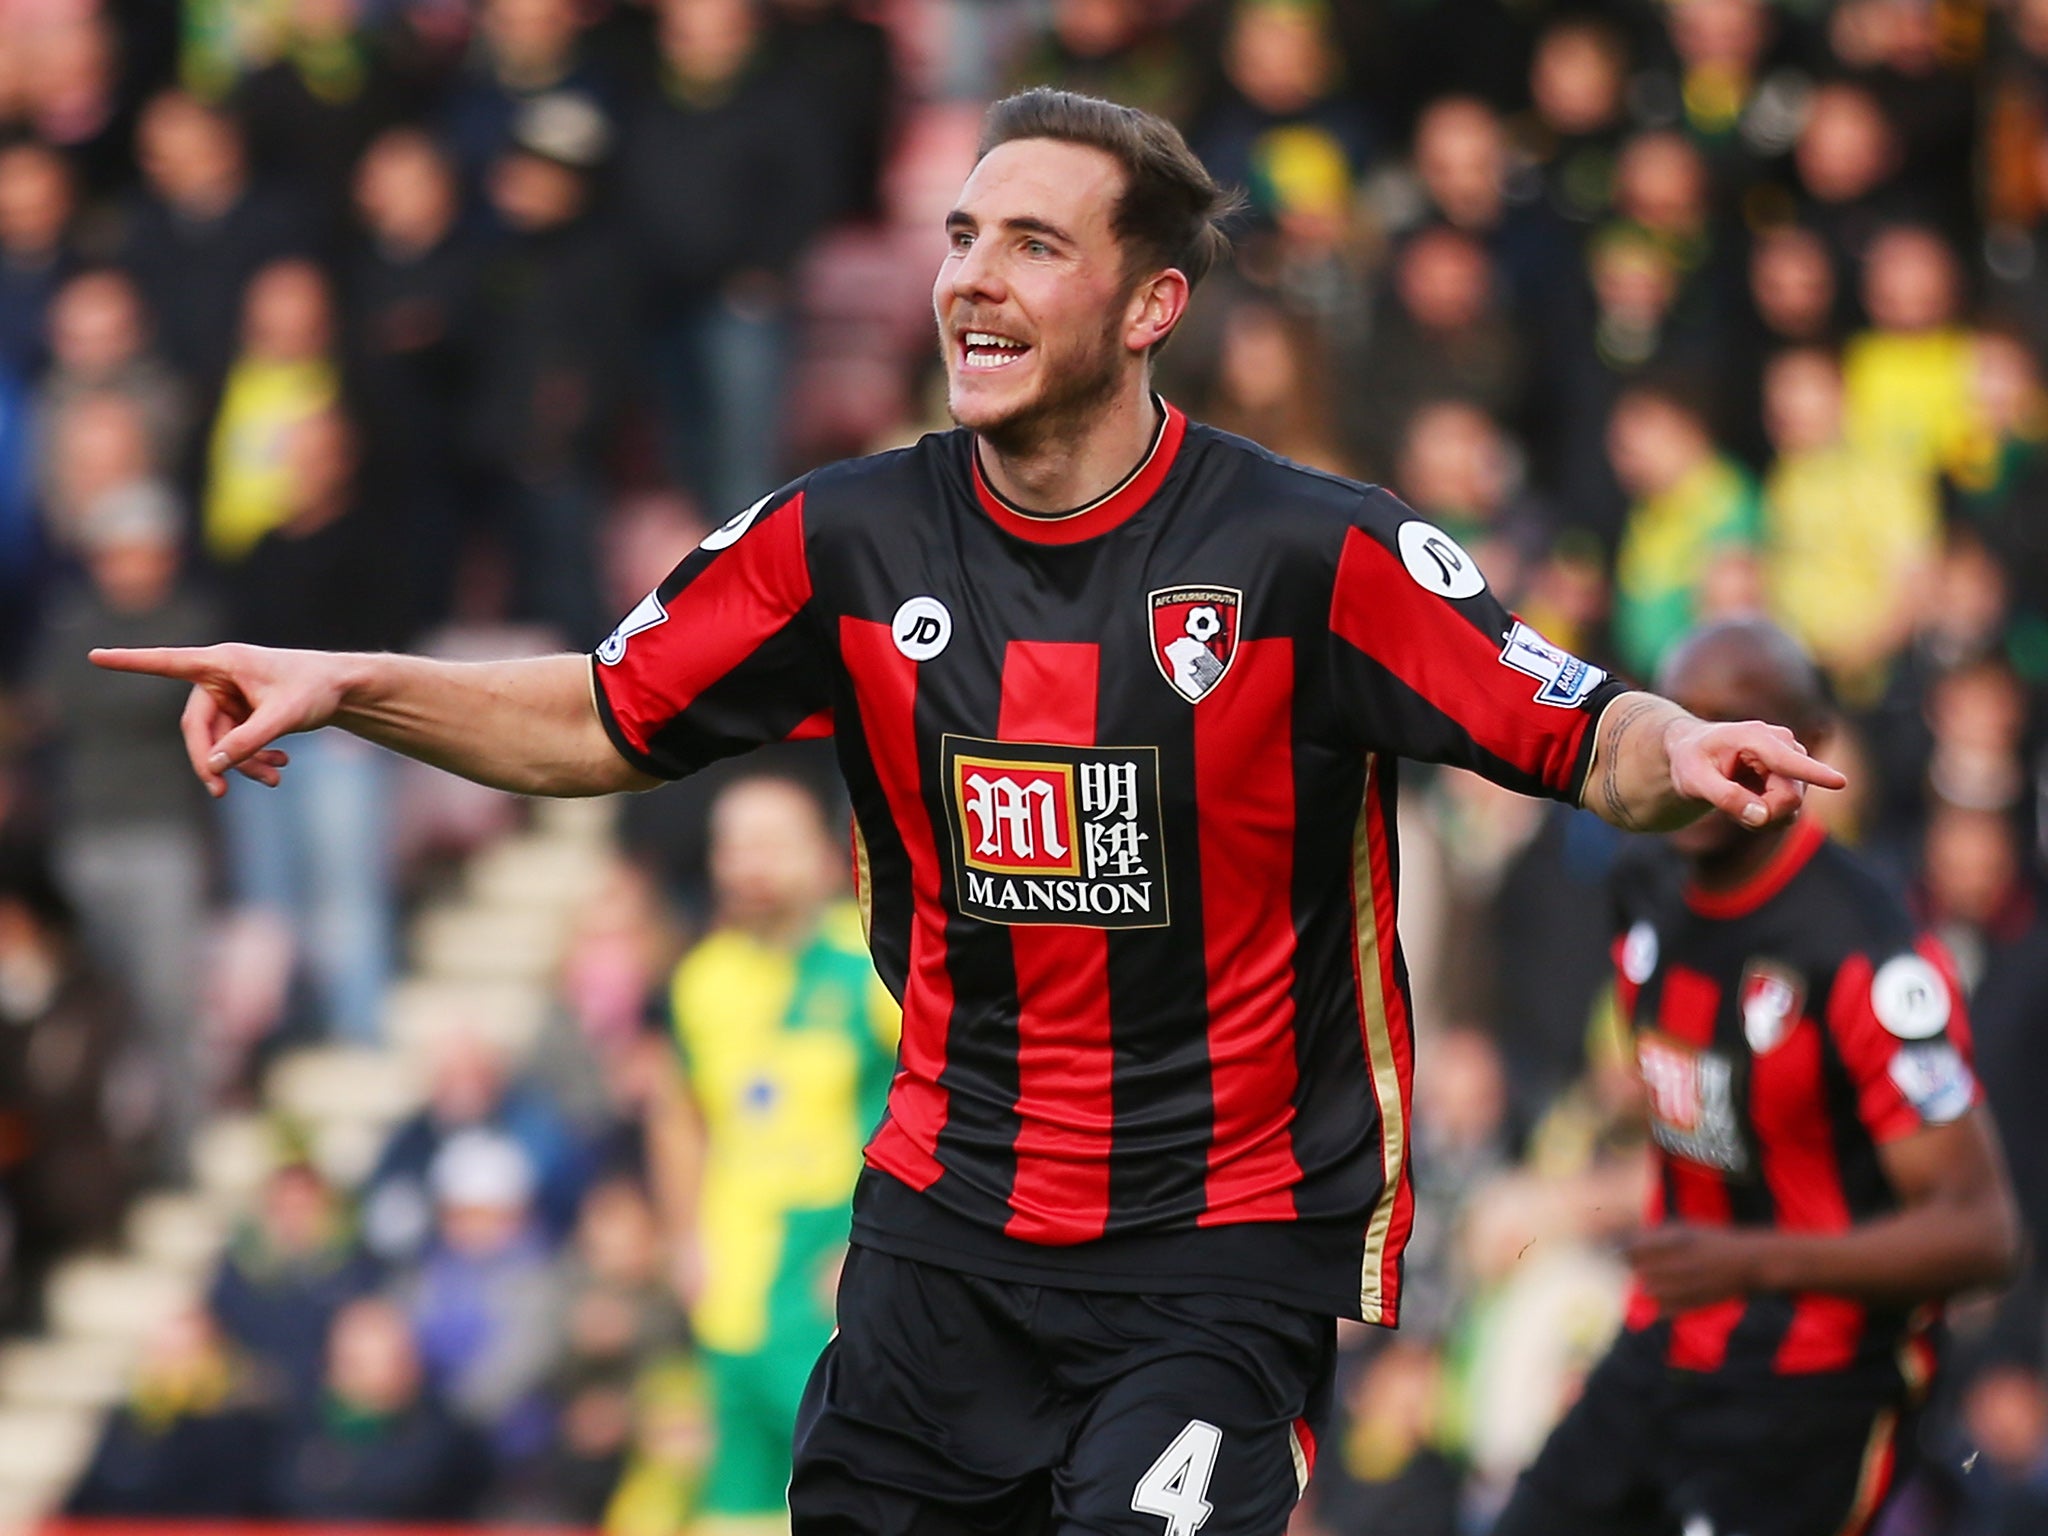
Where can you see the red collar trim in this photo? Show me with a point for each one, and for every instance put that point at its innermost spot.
(1101, 514)
(1800, 845)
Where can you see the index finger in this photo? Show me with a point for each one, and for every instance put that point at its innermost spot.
(186, 662)
(1780, 757)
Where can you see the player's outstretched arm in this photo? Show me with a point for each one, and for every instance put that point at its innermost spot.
(1655, 768)
(1956, 1228)
(528, 725)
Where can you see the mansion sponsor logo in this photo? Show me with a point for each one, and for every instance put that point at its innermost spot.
(1692, 1102)
(1051, 834)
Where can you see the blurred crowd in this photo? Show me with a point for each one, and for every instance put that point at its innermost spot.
(449, 325)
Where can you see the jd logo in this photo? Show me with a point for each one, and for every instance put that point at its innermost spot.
(1437, 562)
(922, 627)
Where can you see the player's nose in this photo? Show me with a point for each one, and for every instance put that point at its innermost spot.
(977, 276)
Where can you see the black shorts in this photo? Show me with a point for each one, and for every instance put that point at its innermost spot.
(1648, 1451)
(950, 1404)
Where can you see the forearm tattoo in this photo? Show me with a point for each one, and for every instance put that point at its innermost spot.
(1612, 801)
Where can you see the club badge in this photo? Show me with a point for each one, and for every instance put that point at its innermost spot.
(1770, 998)
(1194, 636)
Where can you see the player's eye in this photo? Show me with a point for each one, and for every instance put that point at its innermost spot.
(1037, 248)
(961, 239)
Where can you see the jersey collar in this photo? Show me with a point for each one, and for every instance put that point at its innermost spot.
(1799, 846)
(1103, 513)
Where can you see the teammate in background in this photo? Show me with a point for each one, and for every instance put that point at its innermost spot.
(1148, 1136)
(1825, 1172)
(784, 1043)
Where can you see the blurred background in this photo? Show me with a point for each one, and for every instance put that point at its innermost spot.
(333, 1119)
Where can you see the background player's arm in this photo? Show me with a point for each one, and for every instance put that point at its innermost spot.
(1655, 768)
(1956, 1228)
(677, 1141)
(528, 725)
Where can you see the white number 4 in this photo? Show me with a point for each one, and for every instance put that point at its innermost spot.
(1174, 1485)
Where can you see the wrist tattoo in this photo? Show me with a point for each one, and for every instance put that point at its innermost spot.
(1610, 774)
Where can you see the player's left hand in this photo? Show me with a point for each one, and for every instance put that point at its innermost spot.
(1682, 1265)
(1752, 772)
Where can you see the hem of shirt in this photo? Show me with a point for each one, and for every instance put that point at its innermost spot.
(1873, 1373)
(617, 732)
(1258, 1260)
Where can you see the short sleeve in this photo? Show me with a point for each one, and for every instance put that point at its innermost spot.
(722, 656)
(1898, 1024)
(1429, 665)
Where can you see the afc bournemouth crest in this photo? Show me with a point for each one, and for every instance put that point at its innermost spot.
(1770, 998)
(1194, 636)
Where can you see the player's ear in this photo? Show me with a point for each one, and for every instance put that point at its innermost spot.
(1156, 307)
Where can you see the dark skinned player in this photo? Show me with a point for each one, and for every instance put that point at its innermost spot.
(1825, 1172)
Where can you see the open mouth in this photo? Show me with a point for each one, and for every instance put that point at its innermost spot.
(985, 350)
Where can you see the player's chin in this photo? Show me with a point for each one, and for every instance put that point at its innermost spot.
(1714, 833)
(984, 403)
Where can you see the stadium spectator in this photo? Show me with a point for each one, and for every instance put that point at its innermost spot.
(1116, 49)
(1577, 76)
(377, 1445)
(98, 445)
(1283, 114)
(409, 296)
(132, 843)
(725, 178)
(194, 1437)
(1791, 299)
(101, 343)
(621, 1322)
(471, 1086)
(2005, 1417)
(199, 229)
(1850, 531)
(1846, 161)
(523, 50)
(38, 204)
(1461, 161)
(1385, 1474)
(290, 1269)
(553, 335)
(1271, 383)
(486, 1301)
(286, 371)
(1443, 329)
(1910, 381)
(312, 111)
(1721, 96)
(318, 853)
(1687, 552)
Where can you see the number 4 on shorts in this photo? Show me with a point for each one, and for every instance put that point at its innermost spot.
(1174, 1485)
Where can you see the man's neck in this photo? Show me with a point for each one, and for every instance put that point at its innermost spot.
(1062, 470)
(1734, 866)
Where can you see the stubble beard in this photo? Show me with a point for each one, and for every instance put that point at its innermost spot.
(1076, 388)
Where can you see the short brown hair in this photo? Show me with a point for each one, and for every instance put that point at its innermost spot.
(1171, 213)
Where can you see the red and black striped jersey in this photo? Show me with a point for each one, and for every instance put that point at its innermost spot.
(1786, 1030)
(1123, 789)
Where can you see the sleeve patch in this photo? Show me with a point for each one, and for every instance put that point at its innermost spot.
(1566, 680)
(1935, 1080)
(646, 613)
(729, 531)
(1437, 562)
(1910, 998)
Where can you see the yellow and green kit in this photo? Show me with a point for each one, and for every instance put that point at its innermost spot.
(788, 1053)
